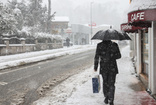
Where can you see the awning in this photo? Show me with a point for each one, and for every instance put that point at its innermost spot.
(142, 18)
(129, 28)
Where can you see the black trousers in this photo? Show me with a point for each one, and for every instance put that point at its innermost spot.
(109, 85)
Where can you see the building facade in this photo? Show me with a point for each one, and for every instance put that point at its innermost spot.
(59, 25)
(81, 33)
(141, 26)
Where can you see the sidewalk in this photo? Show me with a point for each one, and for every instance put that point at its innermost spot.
(77, 90)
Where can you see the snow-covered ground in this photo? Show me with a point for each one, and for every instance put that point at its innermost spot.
(77, 90)
(30, 57)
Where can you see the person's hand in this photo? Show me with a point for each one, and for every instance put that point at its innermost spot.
(95, 70)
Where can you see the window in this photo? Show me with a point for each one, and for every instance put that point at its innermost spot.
(145, 52)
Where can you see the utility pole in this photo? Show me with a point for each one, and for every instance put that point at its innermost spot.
(91, 19)
(49, 17)
(49, 13)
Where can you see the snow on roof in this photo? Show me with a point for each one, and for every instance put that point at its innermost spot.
(105, 25)
(142, 5)
(86, 25)
(97, 26)
(61, 19)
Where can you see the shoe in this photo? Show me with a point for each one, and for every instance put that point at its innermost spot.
(106, 100)
(111, 103)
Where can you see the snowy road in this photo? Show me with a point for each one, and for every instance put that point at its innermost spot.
(129, 90)
(31, 82)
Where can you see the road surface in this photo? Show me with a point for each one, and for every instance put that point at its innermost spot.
(26, 84)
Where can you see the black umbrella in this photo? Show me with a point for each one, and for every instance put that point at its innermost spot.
(126, 35)
(110, 34)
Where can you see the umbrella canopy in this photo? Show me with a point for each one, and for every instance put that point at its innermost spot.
(126, 35)
(111, 34)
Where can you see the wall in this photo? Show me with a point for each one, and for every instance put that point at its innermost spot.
(79, 32)
(7, 49)
(138, 59)
(152, 59)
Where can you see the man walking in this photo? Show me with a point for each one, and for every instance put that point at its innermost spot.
(107, 52)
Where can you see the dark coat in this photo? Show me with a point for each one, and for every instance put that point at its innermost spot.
(68, 41)
(107, 52)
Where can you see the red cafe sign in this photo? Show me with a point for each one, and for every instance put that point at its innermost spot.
(129, 28)
(126, 27)
(142, 15)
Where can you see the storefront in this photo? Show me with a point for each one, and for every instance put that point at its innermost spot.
(145, 45)
(133, 33)
(141, 25)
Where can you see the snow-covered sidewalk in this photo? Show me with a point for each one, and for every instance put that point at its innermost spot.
(77, 90)
(31, 57)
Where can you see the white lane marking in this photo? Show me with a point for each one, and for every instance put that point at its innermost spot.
(3, 83)
(18, 69)
(80, 58)
(9, 71)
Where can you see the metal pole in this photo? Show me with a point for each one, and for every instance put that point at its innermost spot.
(73, 38)
(91, 19)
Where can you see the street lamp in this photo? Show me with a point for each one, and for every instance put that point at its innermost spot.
(91, 19)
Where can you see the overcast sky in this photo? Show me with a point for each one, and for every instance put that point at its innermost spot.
(111, 12)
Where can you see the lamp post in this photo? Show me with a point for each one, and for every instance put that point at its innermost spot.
(91, 19)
